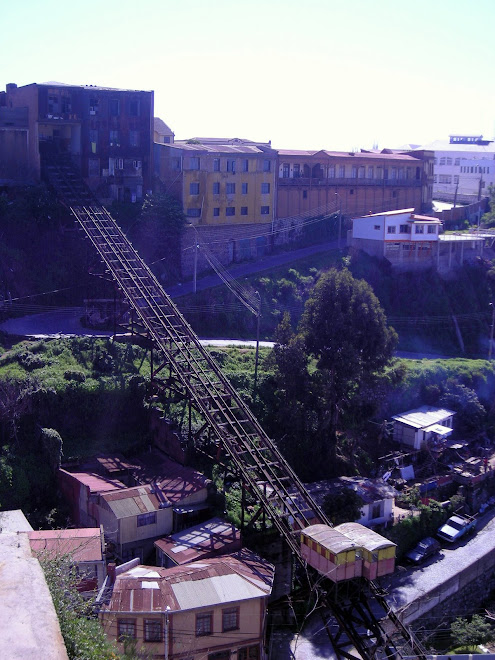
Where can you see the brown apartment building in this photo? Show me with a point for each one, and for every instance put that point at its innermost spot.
(352, 183)
(107, 134)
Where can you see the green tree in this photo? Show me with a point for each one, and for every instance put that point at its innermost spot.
(157, 235)
(468, 634)
(343, 507)
(345, 330)
(342, 343)
(488, 219)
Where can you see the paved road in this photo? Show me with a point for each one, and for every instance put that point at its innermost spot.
(268, 262)
(408, 584)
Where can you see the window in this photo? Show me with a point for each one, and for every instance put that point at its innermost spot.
(216, 212)
(249, 653)
(194, 188)
(456, 178)
(244, 210)
(93, 106)
(432, 229)
(285, 170)
(405, 229)
(152, 630)
(457, 161)
(146, 518)
(296, 171)
(231, 166)
(230, 619)
(391, 230)
(354, 172)
(267, 166)
(66, 104)
(341, 171)
(216, 188)
(370, 172)
(230, 188)
(134, 138)
(442, 161)
(244, 188)
(401, 172)
(126, 628)
(194, 163)
(379, 172)
(393, 174)
(445, 178)
(114, 107)
(305, 194)
(219, 655)
(331, 172)
(216, 164)
(245, 165)
(93, 140)
(448, 161)
(114, 139)
(230, 210)
(377, 227)
(265, 210)
(351, 191)
(204, 624)
(265, 188)
(191, 213)
(134, 107)
(419, 229)
(361, 172)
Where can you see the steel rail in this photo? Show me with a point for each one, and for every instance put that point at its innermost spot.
(253, 453)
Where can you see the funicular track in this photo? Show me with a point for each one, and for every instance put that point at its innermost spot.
(235, 430)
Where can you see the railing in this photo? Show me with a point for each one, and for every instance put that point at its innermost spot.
(356, 181)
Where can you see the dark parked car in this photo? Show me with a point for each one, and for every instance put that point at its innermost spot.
(423, 550)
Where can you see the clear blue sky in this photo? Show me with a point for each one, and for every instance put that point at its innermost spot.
(307, 74)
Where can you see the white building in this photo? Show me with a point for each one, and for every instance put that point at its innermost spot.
(464, 167)
(416, 428)
(410, 241)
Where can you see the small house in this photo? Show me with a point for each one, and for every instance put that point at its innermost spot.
(416, 428)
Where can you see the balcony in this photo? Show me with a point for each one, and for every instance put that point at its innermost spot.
(307, 182)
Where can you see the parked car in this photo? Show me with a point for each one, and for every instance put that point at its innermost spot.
(455, 527)
(425, 548)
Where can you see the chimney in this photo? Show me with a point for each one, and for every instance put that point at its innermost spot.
(10, 87)
(111, 571)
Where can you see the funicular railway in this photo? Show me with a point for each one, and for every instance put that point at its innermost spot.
(361, 616)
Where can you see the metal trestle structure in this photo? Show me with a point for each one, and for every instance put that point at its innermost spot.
(232, 426)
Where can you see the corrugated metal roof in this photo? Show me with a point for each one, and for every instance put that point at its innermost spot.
(364, 536)
(422, 417)
(214, 590)
(236, 577)
(83, 544)
(330, 537)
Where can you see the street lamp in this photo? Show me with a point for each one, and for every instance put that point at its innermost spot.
(340, 218)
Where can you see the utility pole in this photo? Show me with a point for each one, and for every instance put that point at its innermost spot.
(196, 247)
(340, 219)
(258, 316)
(491, 331)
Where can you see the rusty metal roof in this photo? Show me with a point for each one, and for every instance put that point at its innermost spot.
(82, 544)
(200, 584)
(215, 536)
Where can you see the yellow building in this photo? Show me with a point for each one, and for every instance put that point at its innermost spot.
(214, 609)
(218, 181)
